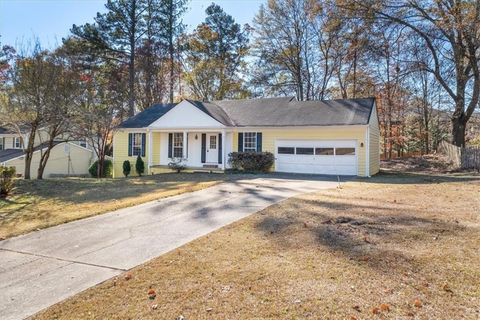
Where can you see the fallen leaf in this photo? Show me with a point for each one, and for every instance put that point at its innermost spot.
(154, 306)
(446, 288)
(384, 307)
(357, 308)
(151, 294)
(375, 310)
(128, 276)
(417, 303)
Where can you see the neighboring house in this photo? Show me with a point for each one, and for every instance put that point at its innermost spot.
(337, 137)
(66, 158)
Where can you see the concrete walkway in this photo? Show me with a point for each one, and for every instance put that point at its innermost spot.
(42, 268)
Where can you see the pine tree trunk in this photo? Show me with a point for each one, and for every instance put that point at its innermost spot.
(131, 63)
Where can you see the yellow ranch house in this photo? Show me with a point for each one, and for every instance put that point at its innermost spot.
(332, 137)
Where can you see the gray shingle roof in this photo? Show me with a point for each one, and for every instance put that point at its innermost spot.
(4, 130)
(148, 116)
(214, 111)
(8, 154)
(275, 112)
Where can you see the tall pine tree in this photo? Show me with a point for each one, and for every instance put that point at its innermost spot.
(215, 56)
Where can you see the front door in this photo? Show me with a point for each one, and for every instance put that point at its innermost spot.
(212, 148)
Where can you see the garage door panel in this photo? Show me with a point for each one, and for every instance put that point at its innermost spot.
(317, 164)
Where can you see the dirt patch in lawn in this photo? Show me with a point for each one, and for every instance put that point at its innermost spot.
(428, 164)
(392, 247)
(38, 204)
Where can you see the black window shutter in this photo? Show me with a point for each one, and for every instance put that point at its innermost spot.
(170, 144)
(204, 147)
(130, 137)
(220, 151)
(240, 142)
(143, 144)
(259, 142)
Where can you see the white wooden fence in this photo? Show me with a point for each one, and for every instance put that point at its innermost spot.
(464, 158)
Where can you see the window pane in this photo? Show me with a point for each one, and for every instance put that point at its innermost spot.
(213, 142)
(286, 150)
(177, 152)
(344, 151)
(250, 141)
(137, 144)
(178, 139)
(324, 151)
(306, 151)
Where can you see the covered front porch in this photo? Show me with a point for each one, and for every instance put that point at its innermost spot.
(205, 149)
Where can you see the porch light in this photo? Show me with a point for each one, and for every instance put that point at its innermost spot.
(196, 136)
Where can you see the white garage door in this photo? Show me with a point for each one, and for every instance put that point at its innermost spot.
(336, 157)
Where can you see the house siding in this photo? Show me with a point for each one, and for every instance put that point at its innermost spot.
(58, 163)
(357, 133)
(120, 151)
(374, 137)
(270, 135)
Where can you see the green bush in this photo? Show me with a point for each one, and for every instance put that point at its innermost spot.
(107, 169)
(140, 166)
(7, 182)
(126, 168)
(251, 161)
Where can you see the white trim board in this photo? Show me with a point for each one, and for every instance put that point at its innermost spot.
(185, 115)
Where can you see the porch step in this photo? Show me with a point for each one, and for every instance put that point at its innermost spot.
(210, 166)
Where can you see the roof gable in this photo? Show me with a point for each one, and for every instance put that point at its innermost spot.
(187, 115)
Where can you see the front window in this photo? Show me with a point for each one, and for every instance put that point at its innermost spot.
(250, 141)
(17, 143)
(178, 145)
(137, 144)
(2, 142)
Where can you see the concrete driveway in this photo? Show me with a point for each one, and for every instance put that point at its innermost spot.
(44, 267)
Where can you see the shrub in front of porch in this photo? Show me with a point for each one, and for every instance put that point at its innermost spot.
(251, 161)
(177, 165)
(140, 166)
(126, 168)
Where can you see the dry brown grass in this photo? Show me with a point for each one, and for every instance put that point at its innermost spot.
(393, 247)
(40, 204)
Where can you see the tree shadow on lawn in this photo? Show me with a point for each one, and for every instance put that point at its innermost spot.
(83, 190)
(376, 236)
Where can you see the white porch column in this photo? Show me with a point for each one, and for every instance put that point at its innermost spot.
(224, 158)
(185, 142)
(150, 149)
